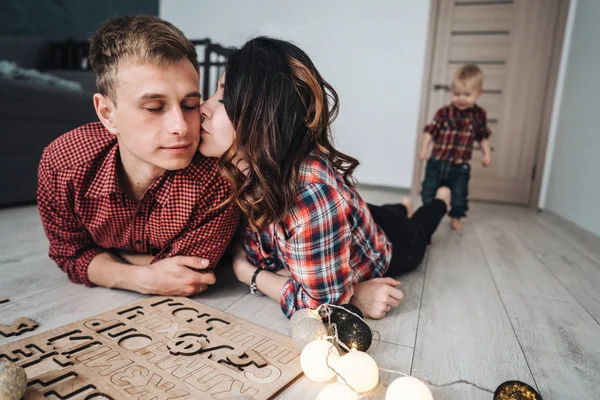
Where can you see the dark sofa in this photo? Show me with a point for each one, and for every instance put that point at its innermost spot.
(32, 115)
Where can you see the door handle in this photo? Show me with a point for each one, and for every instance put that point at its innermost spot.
(439, 86)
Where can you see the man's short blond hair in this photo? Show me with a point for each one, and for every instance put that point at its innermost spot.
(146, 39)
(469, 74)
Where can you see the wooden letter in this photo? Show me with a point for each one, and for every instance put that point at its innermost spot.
(18, 327)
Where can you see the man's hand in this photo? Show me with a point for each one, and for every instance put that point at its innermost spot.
(175, 276)
(376, 297)
(424, 154)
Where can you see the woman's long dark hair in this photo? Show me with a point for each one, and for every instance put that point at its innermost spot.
(281, 109)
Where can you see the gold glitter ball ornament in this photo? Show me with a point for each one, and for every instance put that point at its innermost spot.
(13, 380)
(516, 390)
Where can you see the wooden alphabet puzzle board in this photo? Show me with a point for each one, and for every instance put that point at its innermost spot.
(158, 348)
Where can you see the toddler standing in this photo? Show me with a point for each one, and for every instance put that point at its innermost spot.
(453, 131)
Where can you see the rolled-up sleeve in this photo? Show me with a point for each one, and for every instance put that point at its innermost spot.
(252, 248)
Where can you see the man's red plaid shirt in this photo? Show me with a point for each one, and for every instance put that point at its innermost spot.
(85, 211)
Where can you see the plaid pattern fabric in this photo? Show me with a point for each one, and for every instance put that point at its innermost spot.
(85, 212)
(454, 131)
(328, 241)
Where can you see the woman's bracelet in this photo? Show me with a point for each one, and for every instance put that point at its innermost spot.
(253, 287)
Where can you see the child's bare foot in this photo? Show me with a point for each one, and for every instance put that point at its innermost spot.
(443, 194)
(456, 224)
(408, 203)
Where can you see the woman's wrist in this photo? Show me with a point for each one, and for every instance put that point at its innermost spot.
(243, 270)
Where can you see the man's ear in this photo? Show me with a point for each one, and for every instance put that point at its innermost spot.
(105, 110)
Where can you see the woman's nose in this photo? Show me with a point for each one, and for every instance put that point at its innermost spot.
(205, 110)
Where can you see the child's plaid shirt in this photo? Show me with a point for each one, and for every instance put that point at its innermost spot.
(454, 131)
(328, 242)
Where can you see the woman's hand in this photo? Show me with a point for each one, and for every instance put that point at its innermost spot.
(376, 297)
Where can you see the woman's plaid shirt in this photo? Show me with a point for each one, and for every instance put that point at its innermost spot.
(328, 242)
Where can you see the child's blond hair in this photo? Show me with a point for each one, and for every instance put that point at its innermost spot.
(469, 74)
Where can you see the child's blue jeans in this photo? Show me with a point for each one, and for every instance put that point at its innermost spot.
(456, 176)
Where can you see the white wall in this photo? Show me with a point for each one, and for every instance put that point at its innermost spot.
(574, 183)
(371, 52)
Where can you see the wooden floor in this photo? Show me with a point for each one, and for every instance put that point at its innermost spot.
(514, 296)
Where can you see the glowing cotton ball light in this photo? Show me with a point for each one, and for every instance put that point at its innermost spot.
(358, 370)
(337, 391)
(314, 359)
(408, 388)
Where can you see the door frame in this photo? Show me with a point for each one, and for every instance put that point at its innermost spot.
(542, 142)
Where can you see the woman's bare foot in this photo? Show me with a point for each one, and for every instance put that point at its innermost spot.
(408, 203)
(456, 224)
(443, 194)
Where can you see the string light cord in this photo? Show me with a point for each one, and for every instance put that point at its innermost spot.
(440, 385)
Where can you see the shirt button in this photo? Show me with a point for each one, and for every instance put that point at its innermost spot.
(138, 242)
(140, 214)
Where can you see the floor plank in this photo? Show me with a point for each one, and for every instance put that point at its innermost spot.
(585, 242)
(562, 344)
(514, 267)
(29, 276)
(21, 233)
(464, 331)
(578, 274)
